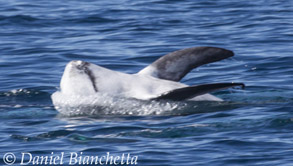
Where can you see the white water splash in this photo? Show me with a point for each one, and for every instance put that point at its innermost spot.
(102, 104)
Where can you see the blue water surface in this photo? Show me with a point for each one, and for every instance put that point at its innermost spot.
(252, 127)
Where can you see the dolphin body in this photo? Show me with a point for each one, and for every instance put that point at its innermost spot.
(158, 81)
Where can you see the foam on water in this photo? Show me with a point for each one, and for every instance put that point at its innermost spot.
(103, 104)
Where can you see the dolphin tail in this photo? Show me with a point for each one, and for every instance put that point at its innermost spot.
(193, 91)
(175, 65)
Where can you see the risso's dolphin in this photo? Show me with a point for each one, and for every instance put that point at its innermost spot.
(158, 81)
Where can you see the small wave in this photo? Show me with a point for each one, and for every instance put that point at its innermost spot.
(91, 19)
(29, 96)
(170, 132)
(71, 136)
(17, 92)
(18, 19)
(25, 98)
(281, 123)
(46, 135)
(83, 139)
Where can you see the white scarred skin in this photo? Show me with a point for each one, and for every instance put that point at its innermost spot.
(75, 81)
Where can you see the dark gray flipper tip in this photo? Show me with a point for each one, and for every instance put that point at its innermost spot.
(213, 54)
(228, 52)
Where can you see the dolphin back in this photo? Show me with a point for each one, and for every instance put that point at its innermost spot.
(175, 65)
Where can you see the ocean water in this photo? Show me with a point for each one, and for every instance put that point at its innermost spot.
(252, 127)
